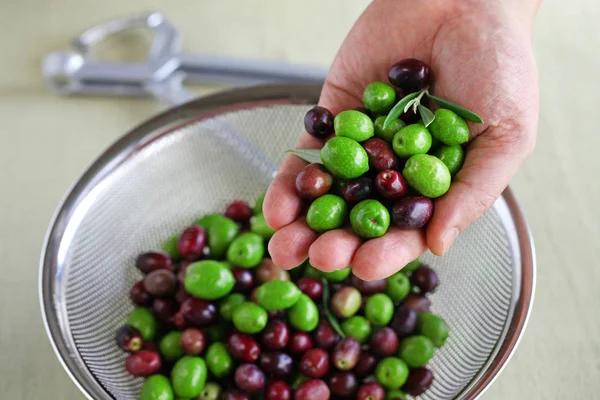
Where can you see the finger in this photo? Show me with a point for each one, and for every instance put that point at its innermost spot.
(492, 160)
(381, 257)
(289, 246)
(334, 250)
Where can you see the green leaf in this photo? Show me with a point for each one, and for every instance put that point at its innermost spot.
(426, 115)
(308, 155)
(398, 109)
(330, 317)
(463, 112)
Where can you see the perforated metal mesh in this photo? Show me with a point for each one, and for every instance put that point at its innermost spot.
(196, 169)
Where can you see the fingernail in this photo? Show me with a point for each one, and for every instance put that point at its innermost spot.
(448, 238)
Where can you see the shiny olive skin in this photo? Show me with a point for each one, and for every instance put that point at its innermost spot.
(157, 387)
(188, 376)
(303, 315)
(142, 319)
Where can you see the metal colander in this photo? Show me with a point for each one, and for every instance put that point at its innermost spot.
(195, 158)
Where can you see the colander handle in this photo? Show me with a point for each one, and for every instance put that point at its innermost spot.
(166, 69)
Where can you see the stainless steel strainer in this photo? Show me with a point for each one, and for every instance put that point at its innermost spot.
(193, 159)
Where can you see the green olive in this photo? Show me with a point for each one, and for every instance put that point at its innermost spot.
(398, 286)
(249, 317)
(304, 315)
(339, 275)
(188, 376)
(144, 321)
(277, 295)
(246, 251)
(208, 280)
(219, 360)
(391, 372)
(156, 387)
(357, 327)
(449, 128)
(229, 303)
(326, 213)
(170, 346)
(434, 327)
(416, 351)
(379, 309)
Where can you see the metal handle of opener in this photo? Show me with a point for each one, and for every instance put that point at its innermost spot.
(166, 69)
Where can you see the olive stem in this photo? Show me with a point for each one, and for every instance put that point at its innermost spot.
(417, 100)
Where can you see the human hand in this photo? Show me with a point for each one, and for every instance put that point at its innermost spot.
(481, 57)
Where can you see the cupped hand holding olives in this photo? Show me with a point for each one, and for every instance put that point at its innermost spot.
(426, 141)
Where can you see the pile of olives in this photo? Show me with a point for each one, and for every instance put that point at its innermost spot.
(376, 169)
(215, 318)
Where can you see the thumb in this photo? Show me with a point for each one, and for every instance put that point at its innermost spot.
(493, 158)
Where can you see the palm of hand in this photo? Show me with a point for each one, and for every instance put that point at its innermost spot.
(480, 61)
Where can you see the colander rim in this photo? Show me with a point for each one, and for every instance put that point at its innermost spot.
(205, 107)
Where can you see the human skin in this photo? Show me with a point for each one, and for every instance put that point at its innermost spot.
(481, 56)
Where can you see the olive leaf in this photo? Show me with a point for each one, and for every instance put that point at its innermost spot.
(308, 155)
(334, 322)
(463, 112)
(398, 109)
(426, 115)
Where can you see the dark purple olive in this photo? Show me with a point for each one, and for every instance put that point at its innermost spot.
(412, 212)
(151, 261)
(310, 287)
(276, 335)
(346, 353)
(243, 347)
(366, 364)
(276, 364)
(314, 363)
(193, 341)
(343, 384)
(410, 75)
(299, 343)
(235, 395)
(404, 321)
(312, 390)
(419, 380)
(191, 243)
(143, 363)
(244, 280)
(384, 342)
(313, 181)
(129, 339)
(318, 122)
(278, 390)
(417, 302)
(390, 184)
(324, 335)
(371, 391)
(164, 310)
(358, 189)
(239, 211)
(161, 282)
(249, 378)
(380, 153)
(369, 287)
(139, 296)
(425, 279)
(198, 313)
